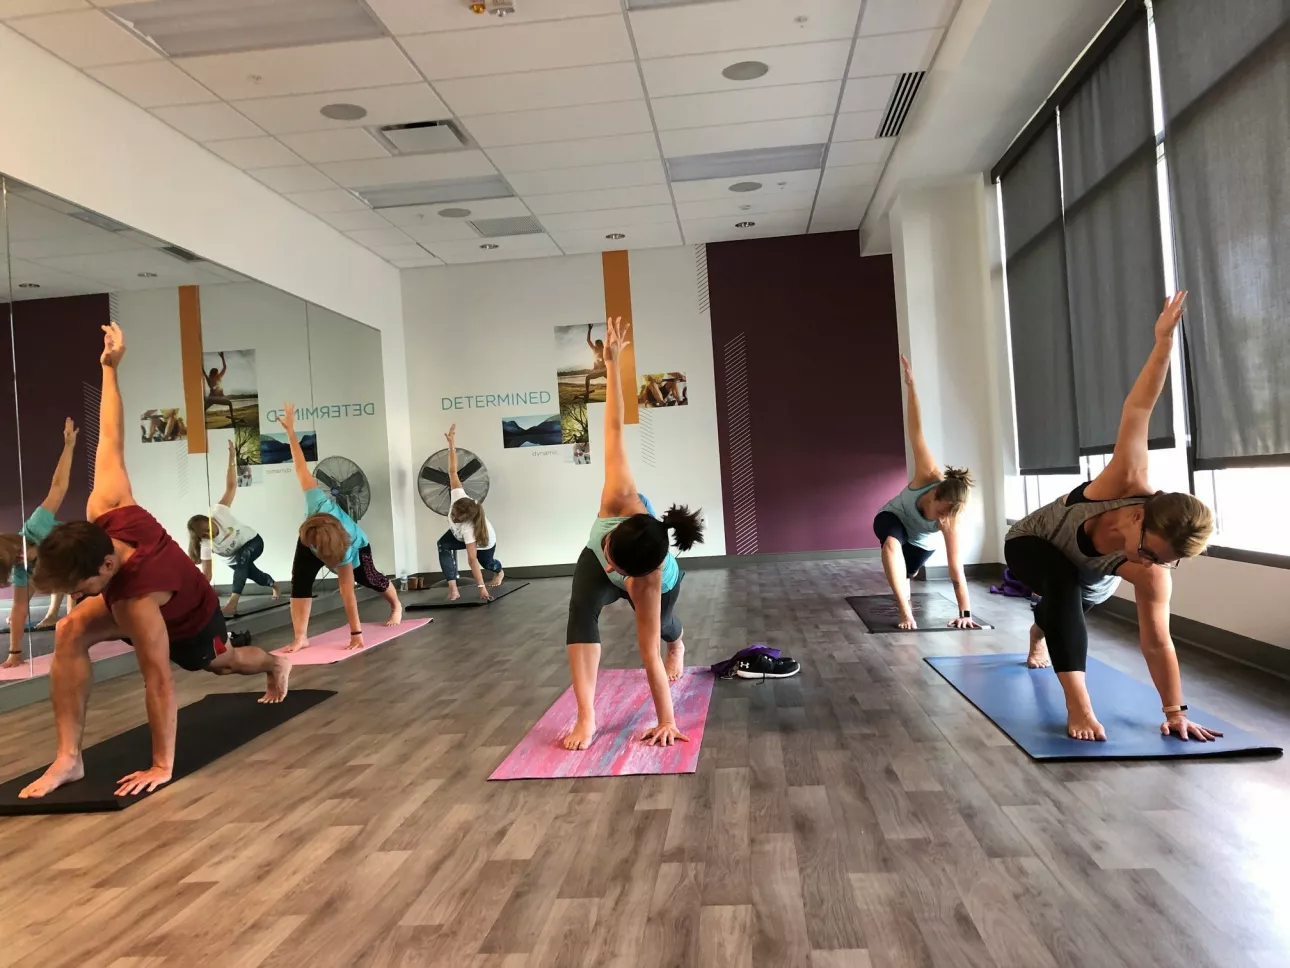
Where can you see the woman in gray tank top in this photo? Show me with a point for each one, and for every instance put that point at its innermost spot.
(1074, 552)
(907, 522)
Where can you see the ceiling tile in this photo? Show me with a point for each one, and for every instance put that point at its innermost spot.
(302, 70)
(873, 152)
(295, 178)
(588, 179)
(701, 73)
(824, 226)
(782, 182)
(704, 27)
(402, 252)
(850, 175)
(510, 247)
(423, 215)
(868, 93)
(743, 137)
(152, 84)
(844, 203)
(120, 270)
(408, 169)
(344, 144)
(559, 124)
(363, 218)
(724, 230)
(894, 53)
(590, 201)
(425, 16)
(421, 263)
(254, 152)
(27, 8)
(85, 38)
(614, 218)
(753, 104)
(657, 236)
(545, 89)
(207, 122)
(442, 230)
(373, 238)
(522, 48)
(895, 16)
(399, 104)
(745, 205)
(570, 154)
(328, 201)
(857, 126)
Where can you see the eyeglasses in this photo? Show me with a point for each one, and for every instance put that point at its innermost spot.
(1149, 556)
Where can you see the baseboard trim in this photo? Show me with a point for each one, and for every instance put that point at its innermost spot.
(1240, 648)
(990, 571)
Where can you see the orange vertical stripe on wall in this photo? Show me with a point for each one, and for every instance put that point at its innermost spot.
(190, 355)
(618, 302)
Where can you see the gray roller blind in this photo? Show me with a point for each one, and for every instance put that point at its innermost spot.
(1225, 75)
(1038, 310)
(1114, 264)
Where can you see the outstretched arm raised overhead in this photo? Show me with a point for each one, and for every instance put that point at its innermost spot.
(63, 470)
(619, 496)
(230, 478)
(288, 421)
(926, 469)
(1126, 472)
(111, 483)
(454, 481)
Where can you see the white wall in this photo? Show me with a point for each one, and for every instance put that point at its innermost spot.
(949, 329)
(481, 329)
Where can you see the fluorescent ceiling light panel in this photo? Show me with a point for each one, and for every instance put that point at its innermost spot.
(653, 4)
(500, 228)
(182, 28)
(433, 193)
(756, 161)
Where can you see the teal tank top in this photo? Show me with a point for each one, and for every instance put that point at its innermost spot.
(905, 506)
(602, 527)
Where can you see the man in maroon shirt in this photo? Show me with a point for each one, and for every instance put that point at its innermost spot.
(138, 584)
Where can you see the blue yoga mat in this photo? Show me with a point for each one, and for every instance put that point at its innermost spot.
(1028, 705)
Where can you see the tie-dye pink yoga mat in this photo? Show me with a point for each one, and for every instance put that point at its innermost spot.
(624, 712)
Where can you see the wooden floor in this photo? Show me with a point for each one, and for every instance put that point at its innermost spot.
(862, 814)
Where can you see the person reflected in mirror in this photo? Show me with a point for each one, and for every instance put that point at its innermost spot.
(627, 558)
(215, 395)
(470, 530)
(18, 552)
(135, 583)
(907, 523)
(329, 538)
(1074, 551)
(219, 533)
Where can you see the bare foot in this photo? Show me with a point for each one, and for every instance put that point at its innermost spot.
(674, 664)
(46, 626)
(1038, 658)
(454, 593)
(276, 690)
(228, 614)
(61, 772)
(1082, 724)
(396, 614)
(297, 645)
(274, 589)
(497, 580)
(15, 659)
(906, 621)
(580, 736)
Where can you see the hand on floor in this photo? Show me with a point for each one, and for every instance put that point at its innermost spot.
(664, 734)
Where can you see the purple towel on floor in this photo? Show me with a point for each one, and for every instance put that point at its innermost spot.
(726, 669)
(1011, 587)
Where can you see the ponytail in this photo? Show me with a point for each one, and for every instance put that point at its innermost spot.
(480, 524)
(954, 488)
(686, 526)
(199, 530)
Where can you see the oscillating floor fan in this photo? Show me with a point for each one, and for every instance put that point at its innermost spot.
(346, 483)
(432, 482)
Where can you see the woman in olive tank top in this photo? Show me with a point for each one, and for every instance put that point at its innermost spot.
(1074, 551)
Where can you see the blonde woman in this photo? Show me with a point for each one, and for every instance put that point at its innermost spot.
(468, 530)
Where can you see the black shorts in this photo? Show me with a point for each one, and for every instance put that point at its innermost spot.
(592, 591)
(887, 525)
(198, 651)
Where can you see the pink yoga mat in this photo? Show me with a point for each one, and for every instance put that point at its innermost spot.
(30, 670)
(624, 712)
(330, 646)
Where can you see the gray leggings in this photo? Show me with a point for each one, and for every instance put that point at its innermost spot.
(592, 591)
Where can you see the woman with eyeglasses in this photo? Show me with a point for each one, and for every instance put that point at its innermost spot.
(1074, 552)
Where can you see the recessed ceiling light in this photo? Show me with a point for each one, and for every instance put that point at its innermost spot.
(746, 71)
(748, 186)
(28, 285)
(744, 225)
(454, 212)
(343, 112)
(489, 245)
(615, 235)
(147, 275)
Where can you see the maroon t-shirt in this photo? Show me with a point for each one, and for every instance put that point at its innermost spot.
(158, 565)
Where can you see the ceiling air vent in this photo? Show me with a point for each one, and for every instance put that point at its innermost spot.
(422, 137)
(496, 228)
(100, 221)
(436, 192)
(902, 99)
(736, 164)
(183, 255)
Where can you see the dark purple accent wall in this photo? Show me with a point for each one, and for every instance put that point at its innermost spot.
(56, 348)
(823, 390)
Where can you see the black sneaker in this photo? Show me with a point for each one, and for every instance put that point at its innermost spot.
(764, 667)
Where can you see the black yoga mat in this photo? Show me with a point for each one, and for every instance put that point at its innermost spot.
(209, 728)
(437, 597)
(933, 613)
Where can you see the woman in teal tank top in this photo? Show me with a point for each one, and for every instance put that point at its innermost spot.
(627, 557)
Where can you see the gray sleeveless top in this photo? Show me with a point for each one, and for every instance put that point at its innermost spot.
(1060, 524)
(904, 505)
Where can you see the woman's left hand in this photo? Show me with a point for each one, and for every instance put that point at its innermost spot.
(69, 433)
(355, 642)
(451, 436)
(664, 734)
(615, 339)
(1179, 725)
(963, 623)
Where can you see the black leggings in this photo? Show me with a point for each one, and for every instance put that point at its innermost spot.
(887, 525)
(1060, 612)
(592, 591)
(306, 565)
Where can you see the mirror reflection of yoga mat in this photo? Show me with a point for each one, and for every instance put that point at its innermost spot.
(933, 613)
(624, 712)
(208, 729)
(437, 597)
(1028, 705)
